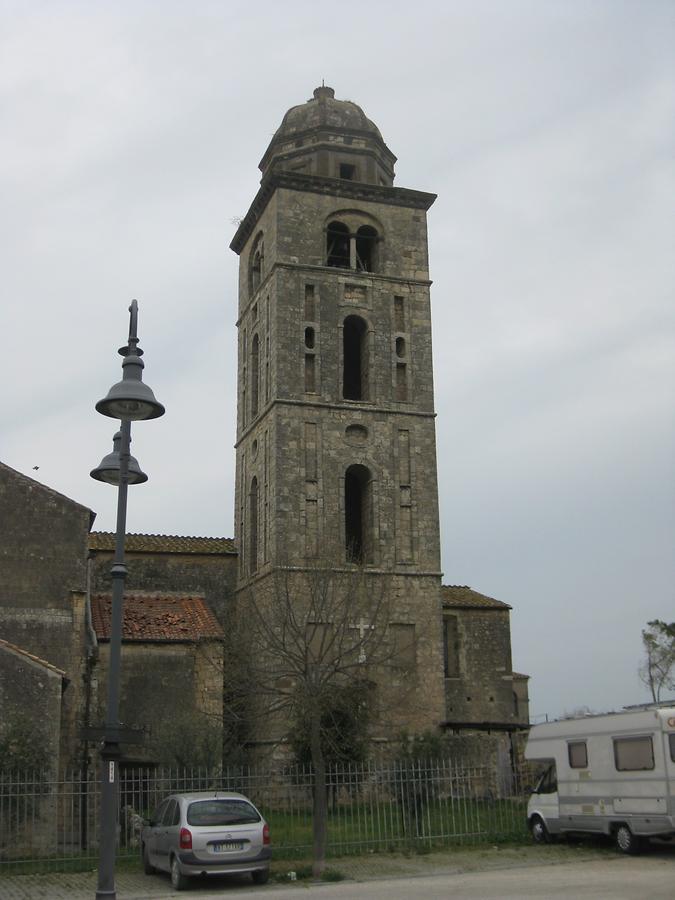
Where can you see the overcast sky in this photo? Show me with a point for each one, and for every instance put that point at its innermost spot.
(130, 134)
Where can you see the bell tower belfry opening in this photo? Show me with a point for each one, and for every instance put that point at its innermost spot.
(336, 448)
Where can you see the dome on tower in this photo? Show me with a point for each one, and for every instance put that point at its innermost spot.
(330, 138)
(324, 110)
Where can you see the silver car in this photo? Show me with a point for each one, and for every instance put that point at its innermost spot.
(206, 833)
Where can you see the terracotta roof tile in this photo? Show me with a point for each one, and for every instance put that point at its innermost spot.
(156, 617)
(463, 597)
(162, 543)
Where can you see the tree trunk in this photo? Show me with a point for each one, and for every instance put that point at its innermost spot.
(320, 810)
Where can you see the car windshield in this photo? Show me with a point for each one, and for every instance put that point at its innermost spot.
(221, 812)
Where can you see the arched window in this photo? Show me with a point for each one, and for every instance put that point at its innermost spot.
(354, 359)
(256, 260)
(253, 526)
(255, 374)
(358, 515)
(337, 245)
(351, 250)
(366, 246)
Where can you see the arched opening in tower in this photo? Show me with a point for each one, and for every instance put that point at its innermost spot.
(358, 515)
(366, 248)
(337, 245)
(355, 359)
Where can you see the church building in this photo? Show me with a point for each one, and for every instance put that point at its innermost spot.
(335, 469)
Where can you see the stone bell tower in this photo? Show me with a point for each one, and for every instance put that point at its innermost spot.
(336, 448)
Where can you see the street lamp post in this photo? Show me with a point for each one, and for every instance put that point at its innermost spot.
(128, 400)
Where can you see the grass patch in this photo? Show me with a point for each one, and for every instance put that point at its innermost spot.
(332, 875)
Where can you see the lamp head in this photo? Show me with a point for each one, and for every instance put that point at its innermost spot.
(108, 469)
(130, 398)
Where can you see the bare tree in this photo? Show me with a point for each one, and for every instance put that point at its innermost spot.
(313, 634)
(656, 672)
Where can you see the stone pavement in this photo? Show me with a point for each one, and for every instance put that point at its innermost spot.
(136, 886)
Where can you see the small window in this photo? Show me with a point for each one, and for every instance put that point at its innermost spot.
(633, 754)
(355, 359)
(671, 741)
(347, 172)
(578, 755)
(309, 338)
(400, 347)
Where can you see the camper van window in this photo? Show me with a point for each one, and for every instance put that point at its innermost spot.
(671, 741)
(548, 783)
(633, 754)
(577, 754)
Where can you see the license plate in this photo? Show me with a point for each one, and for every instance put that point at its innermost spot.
(228, 845)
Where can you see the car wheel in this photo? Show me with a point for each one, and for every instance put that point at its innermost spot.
(626, 841)
(539, 831)
(178, 880)
(147, 867)
(260, 876)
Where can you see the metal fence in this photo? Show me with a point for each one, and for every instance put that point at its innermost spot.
(52, 824)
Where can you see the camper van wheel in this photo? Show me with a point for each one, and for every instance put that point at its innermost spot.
(626, 841)
(539, 830)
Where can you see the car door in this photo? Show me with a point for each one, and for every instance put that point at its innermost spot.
(153, 832)
(167, 836)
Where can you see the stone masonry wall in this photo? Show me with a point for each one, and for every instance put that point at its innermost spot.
(165, 688)
(43, 550)
(209, 575)
(483, 690)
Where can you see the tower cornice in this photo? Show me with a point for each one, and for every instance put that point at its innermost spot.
(337, 406)
(334, 187)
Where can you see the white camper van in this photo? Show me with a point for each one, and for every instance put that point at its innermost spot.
(607, 774)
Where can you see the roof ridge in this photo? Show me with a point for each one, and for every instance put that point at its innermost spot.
(31, 656)
(46, 487)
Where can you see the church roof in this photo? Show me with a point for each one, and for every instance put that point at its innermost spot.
(31, 658)
(157, 617)
(163, 543)
(461, 596)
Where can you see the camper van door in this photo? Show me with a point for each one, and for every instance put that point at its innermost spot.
(543, 809)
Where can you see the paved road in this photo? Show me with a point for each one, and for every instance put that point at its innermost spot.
(573, 874)
(622, 878)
